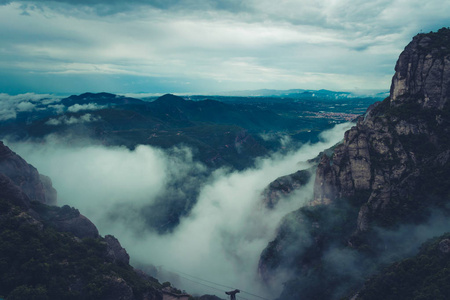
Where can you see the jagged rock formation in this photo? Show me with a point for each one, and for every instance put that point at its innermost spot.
(8, 190)
(48, 252)
(115, 251)
(36, 186)
(386, 158)
(284, 186)
(68, 219)
(392, 168)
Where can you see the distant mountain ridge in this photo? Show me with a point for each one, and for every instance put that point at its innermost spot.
(302, 93)
(100, 99)
(223, 133)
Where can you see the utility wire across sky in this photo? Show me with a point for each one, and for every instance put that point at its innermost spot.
(197, 279)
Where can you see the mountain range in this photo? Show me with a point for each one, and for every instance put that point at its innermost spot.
(228, 132)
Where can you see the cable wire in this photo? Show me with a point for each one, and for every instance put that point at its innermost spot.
(238, 297)
(218, 284)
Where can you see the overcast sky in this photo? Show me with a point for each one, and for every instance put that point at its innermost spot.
(206, 46)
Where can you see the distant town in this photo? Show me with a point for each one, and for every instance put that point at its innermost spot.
(337, 116)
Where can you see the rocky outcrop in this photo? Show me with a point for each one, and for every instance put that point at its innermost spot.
(284, 186)
(21, 183)
(10, 191)
(392, 168)
(384, 161)
(444, 246)
(423, 69)
(69, 219)
(26, 177)
(36, 238)
(49, 191)
(115, 251)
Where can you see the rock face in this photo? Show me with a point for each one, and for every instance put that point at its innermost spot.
(10, 191)
(115, 250)
(36, 186)
(284, 186)
(55, 252)
(69, 219)
(392, 168)
(444, 246)
(385, 160)
(423, 69)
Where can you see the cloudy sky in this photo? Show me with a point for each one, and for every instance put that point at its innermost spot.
(206, 46)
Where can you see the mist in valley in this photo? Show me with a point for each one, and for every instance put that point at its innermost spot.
(224, 229)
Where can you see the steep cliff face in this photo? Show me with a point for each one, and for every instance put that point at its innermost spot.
(50, 252)
(392, 168)
(284, 186)
(386, 160)
(36, 186)
(423, 71)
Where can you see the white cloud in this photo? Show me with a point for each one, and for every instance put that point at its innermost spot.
(66, 120)
(80, 107)
(262, 44)
(223, 236)
(59, 108)
(10, 105)
(25, 106)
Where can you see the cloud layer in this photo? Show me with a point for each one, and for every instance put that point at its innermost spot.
(206, 46)
(10, 106)
(65, 120)
(222, 237)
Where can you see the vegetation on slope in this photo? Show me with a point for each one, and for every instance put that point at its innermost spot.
(424, 276)
(38, 262)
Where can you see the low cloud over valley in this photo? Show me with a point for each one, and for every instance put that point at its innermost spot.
(224, 229)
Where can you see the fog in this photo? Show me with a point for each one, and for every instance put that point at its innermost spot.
(64, 120)
(80, 107)
(11, 105)
(222, 236)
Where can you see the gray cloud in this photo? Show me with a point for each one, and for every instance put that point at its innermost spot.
(176, 46)
(72, 120)
(58, 108)
(11, 105)
(222, 236)
(80, 107)
(105, 7)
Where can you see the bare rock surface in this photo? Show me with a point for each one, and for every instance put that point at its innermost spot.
(115, 251)
(386, 156)
(26, 177)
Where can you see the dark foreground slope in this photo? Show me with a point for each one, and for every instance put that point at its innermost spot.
(390, 173)
(423, 276)
(48, 252)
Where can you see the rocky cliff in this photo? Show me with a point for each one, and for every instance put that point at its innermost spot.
(284, 186)
(50, 252)
(386, 160)
(392, 168)
(36, 186)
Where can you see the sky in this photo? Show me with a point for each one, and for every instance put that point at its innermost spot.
(206, 46)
